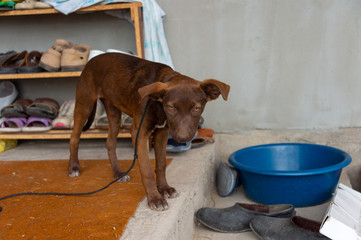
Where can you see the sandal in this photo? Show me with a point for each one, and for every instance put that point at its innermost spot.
(65, 117)
(204, 136)
(4, 56)
(12, 124)
(17, 109)
(37, 124)
(173, 146)
(13, 62)
(32, 63)
(43, 108)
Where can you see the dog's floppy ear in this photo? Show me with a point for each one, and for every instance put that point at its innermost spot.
(155, 91)
(212, 88)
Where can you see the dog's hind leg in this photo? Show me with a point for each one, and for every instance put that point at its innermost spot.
(83, 109)
(114, 118)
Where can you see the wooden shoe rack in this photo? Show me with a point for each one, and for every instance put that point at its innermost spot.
(135, 9)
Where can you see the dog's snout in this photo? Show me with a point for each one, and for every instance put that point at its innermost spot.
(183, 138)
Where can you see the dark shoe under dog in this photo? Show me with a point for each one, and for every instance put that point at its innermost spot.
(295, 228)
(237, 218)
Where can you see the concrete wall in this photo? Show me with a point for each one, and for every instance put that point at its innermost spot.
(291, 64)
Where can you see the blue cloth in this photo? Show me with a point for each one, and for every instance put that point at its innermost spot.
(155, 43)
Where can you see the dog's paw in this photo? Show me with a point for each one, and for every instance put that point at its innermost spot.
(120, 176)
(169, 192)
(159, 204)
(74, 173)
(125, 178)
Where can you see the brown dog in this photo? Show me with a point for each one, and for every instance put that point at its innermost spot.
(124, 84)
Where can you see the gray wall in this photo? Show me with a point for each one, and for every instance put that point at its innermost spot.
(291, 64)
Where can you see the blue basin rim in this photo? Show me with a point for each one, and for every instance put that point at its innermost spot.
(338, 166)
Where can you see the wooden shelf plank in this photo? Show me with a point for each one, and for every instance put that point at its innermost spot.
(40, 75)
(114, 6)
(135, 10)
(61, 134)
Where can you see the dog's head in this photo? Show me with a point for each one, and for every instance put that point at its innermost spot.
(183, 103)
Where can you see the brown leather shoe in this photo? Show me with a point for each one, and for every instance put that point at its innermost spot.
(75, 58)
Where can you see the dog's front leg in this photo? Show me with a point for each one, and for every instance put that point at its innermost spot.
(155, 200)
(160, 149)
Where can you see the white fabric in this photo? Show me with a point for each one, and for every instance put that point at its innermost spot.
(155, 43)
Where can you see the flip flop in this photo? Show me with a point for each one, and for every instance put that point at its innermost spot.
(204, 136)
(12, 124)
(36, 124)
(43, 108)
(17, 109)
(173, 146)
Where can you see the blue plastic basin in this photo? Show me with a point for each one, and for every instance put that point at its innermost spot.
(290, 173)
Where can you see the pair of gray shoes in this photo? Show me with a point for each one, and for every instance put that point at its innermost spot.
(268, 222)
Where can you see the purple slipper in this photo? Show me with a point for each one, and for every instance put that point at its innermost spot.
(37, 124)
(12, 124)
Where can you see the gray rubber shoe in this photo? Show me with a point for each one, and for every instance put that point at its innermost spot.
(295, 228)
(237, 218)
(226, 180)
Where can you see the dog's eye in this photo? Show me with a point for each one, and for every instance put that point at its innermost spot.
(171, 108)
(196, 109)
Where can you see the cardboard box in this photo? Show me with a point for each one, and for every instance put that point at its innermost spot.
(343, 217)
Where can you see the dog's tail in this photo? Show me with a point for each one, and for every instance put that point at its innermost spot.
(91, 118)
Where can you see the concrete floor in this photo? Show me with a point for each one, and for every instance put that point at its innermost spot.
(192, 174)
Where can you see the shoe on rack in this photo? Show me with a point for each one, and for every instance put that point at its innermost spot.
(13, 62)
(8, 93)
(32, 4)
(16, 109)
(94, 53)
(51, 59)
(37, 124)
(65, 116)
(75, 58)
(295, 228)
(12, 124)
(4, 56)
(119, 51)
(42, 5)
(31, 63)
(43, 108)
(237, 218)
(7, 5)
